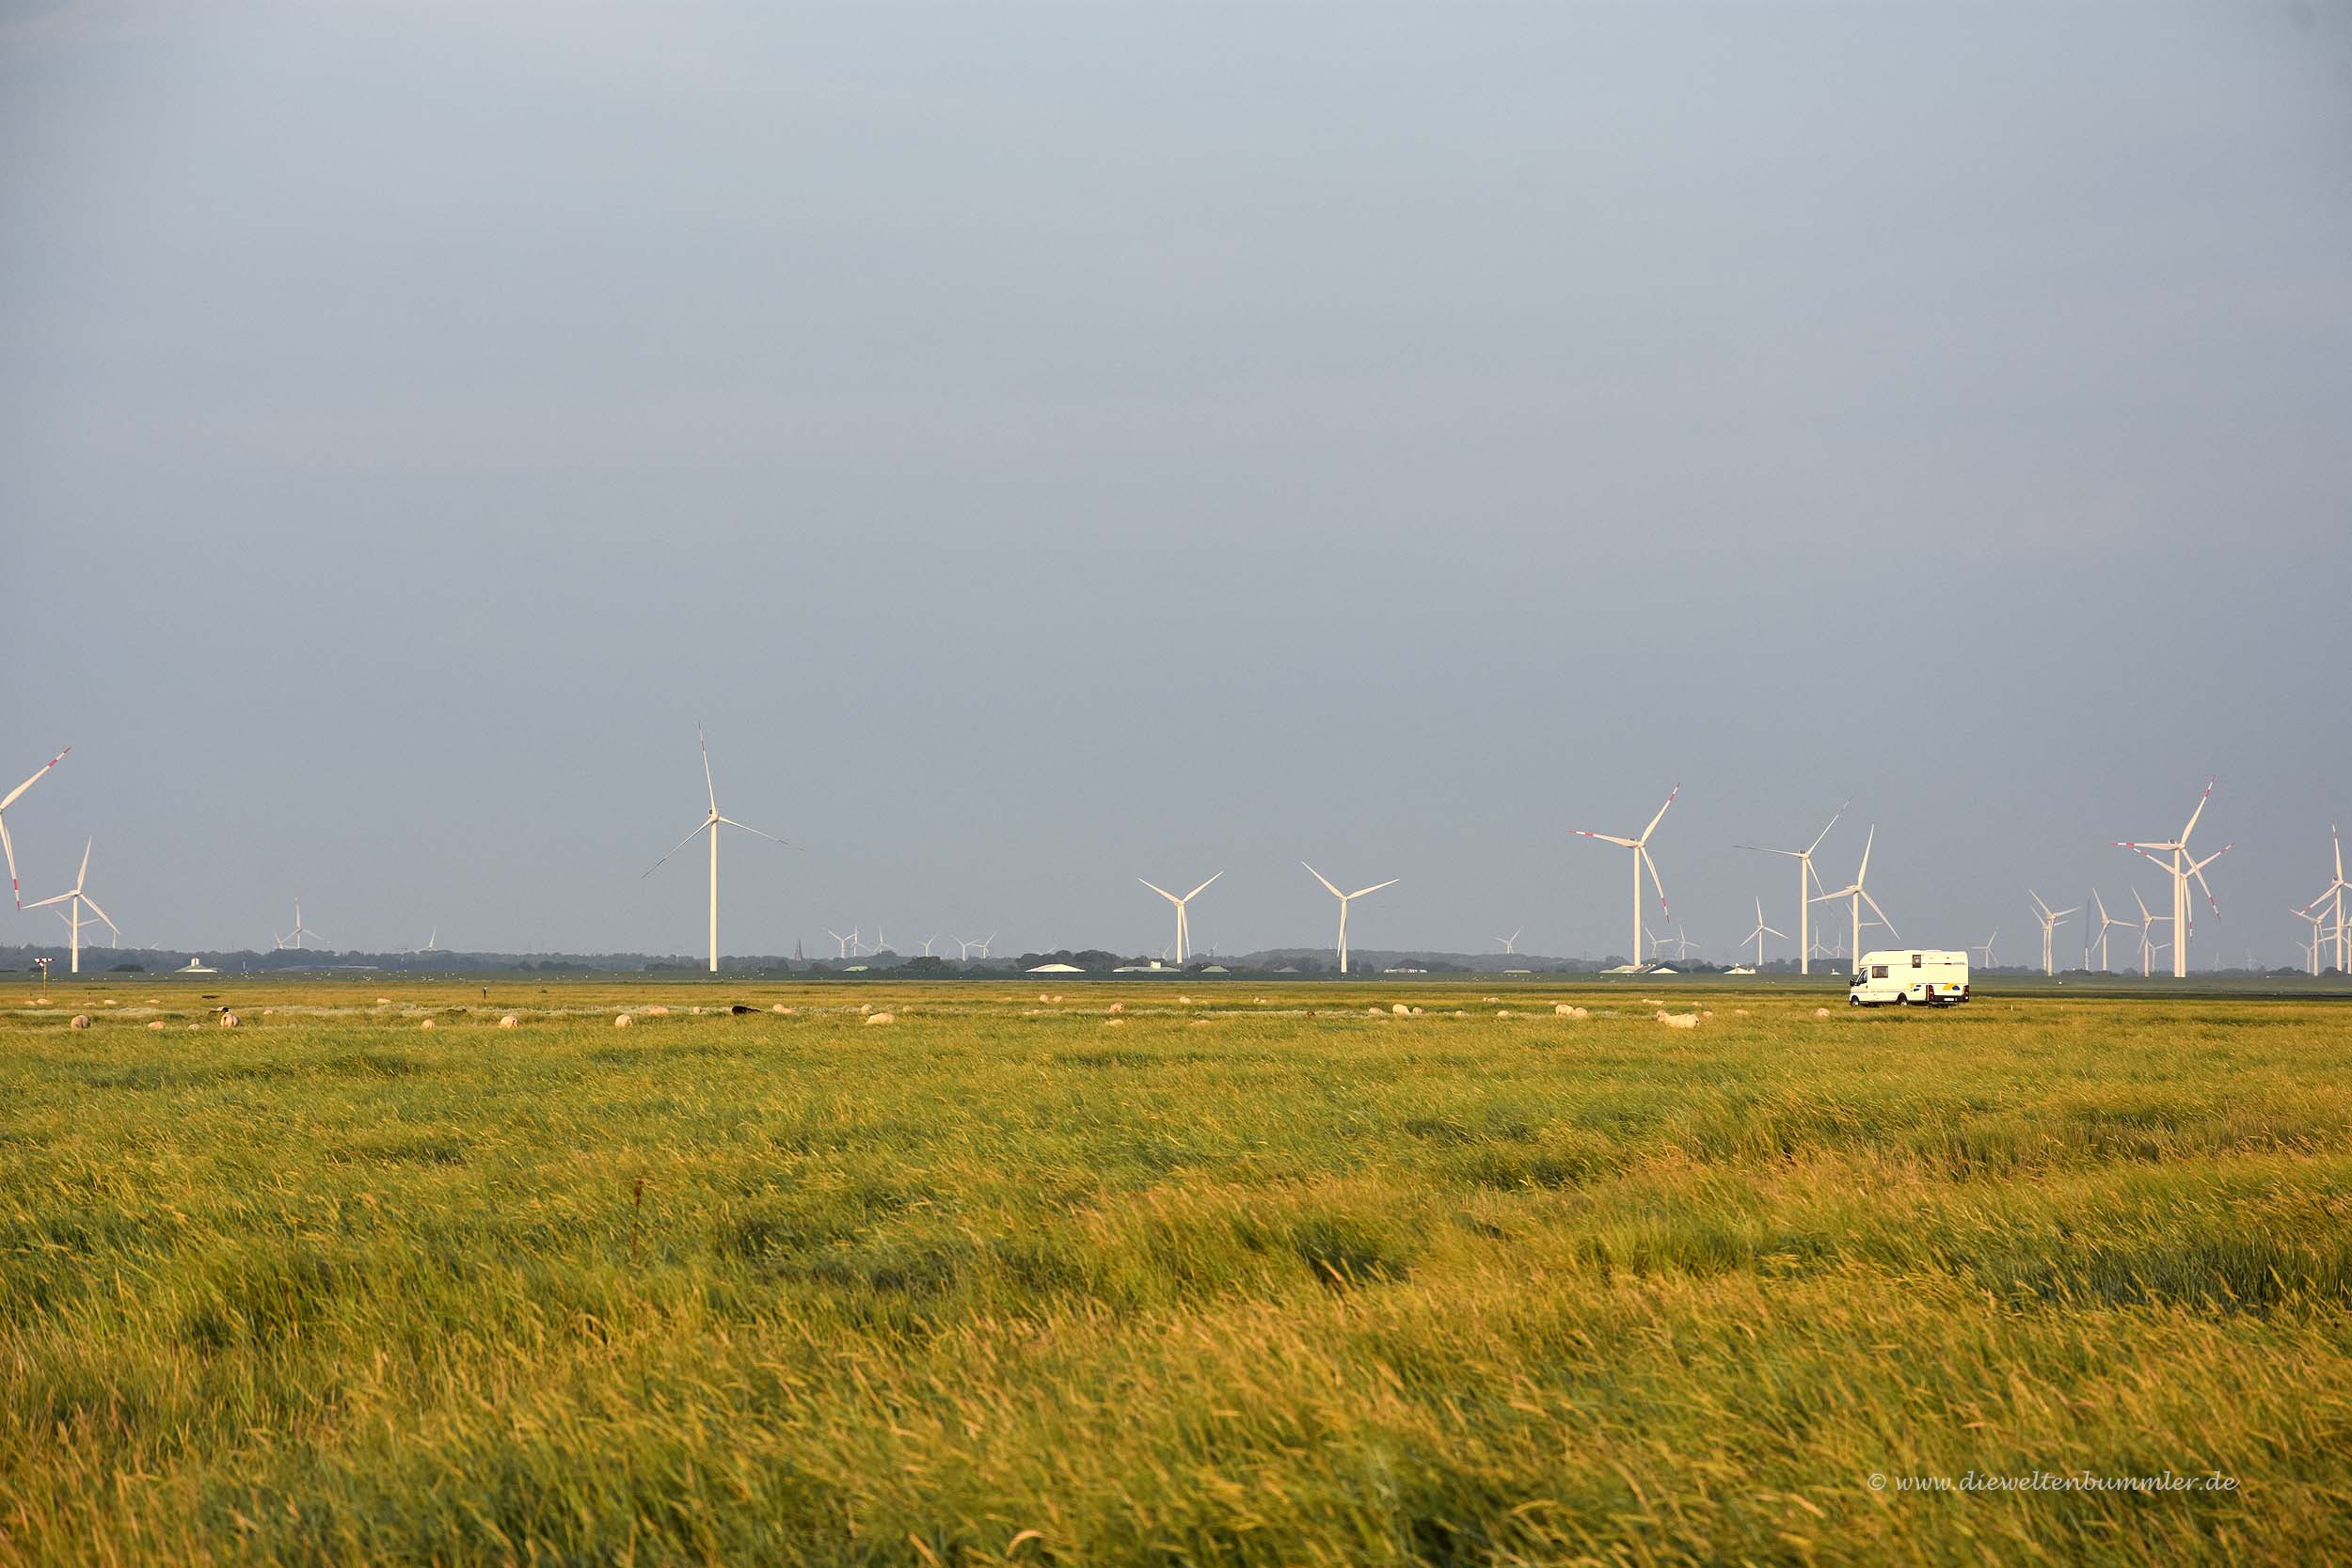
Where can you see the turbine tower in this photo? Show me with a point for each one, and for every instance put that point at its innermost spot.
(1856, 896)
(7, 849)
(2049, 918)
(2181, 868)
(73, 898)
(1761, 931)
(1806, 882)
(1640, 858)
(711, 824)
(1345, 899)
(1184, 919)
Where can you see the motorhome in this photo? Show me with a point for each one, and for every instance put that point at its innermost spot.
(1911, 977)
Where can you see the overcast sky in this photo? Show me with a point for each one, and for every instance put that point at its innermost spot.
(1050, 444)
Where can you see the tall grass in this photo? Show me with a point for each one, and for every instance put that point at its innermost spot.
(1230, 1283)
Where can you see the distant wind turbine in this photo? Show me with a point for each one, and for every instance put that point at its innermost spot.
(1807, 882)
(2050, 919)
(2332, 900)
(2106, 921)
(1856, 896)
(1511, 943)
(1758, 935)
(1184, 919)
(294, 939)
(1345, 899)
(75, 898)
(711, 824)
(8, 848)
(1641, 858)
(2182, 867)
(841, 944)
(1987, 948)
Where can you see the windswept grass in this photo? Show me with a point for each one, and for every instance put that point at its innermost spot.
(1231, 1282)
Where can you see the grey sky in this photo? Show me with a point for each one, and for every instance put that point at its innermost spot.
(1049, 445)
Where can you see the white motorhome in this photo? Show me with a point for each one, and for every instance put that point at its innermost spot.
(1913, 977)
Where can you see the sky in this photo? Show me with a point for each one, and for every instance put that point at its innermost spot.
(1050, 444)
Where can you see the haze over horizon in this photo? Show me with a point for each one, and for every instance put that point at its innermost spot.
(1050, 446)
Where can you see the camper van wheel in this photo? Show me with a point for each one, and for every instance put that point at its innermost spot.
(1853, 1002)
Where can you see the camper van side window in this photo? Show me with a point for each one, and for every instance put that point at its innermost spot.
(1878, 972)
(1915, 960)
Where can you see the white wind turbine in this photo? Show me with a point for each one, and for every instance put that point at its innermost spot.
(1345, 899)
(1761, 931)
(1511, 943)
(2147, 942)
(711, 824)
(2106, 921)
(927, 946)
(1987, 948)
(75, 898)
(294, 939)
(2050, 919)
(987, 943)
(7, 849)
(2311, 949)
(1640, 858)
(2332, 900)
(2181, 868)
(1806, 882)
(1856, 896)
(1184, 918)
(964, 949)
(841, 944)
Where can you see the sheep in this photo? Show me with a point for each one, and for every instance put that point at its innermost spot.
(1502, 1012)
(881, 1018)
(426, 1024)
(383, 1001)
(780, 1008)
(866, 1007)
(1820, 1012)
(1114, 1023)
(1119, 1006)
(657, 1012)
(1680, 1021)
(510, 1021)
(1560, 1009)
(1401, 1010)
(158, 1024)
(81, 1020)
(624, 1022)
(230, 1019)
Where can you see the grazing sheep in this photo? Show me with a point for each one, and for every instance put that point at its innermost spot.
(623, 1022)
(1375, 1012)
(1119, 1006)
(81, 1020)
(1502, 1012)
(426, 1024)
(1417, 1012)
(158, 1024)
(1114, 1023)
(229, 1020)
(110, 1002)
(1184, 1001)
(1042, 997)
(1401, 1010)
(657, 1012)
(510, 1021)
(1560, 1009)
(383, 1001)
(1057, 996)
(881, 1018)
(1820, 1012)
(780, 1008)
(1680, 1021)
(866, 1007)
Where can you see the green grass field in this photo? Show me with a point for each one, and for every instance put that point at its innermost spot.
(1239, 1281)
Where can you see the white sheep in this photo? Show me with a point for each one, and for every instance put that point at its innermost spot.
(510, 1021)
(624, 1022)
(81, 1020)
(881, 1018)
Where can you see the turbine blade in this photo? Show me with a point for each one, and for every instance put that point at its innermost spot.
(1658, 886)
(1864, 874)
(756, 832)
(1661, 815)
(1609, 838)
(1825, 833)
(2197, 813)
(1792, 854)
(8, 851)
(1376, 887)
(702, 741)
(1202, 888)
(1769, 932)
(101, 914)
(1161, 891)
(28, 783)
(82, 875)
(1881, 914)
(1323, 879)
(44, 903)
(711, 822)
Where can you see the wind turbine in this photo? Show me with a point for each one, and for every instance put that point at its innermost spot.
(711, 824)
(2147, 942)
(294, 939)
(2106, 921)
(1511, 943)
(8, 848)
(841, 944)
(2049, 918)
(2311, 949)
(1184, 918)
(72, 913)
(1987, 948)
(1856, 896)
(1761, 931)
(2183, 868)
(1640, 858)
(1345, 899)
(1806, 882)
(2334, 895)
(987, 943)
(927, 946)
